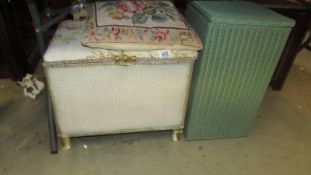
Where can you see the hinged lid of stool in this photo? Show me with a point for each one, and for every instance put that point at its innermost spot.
(65, 49)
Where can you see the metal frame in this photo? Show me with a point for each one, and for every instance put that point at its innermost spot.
(54, 17)
(51, 124)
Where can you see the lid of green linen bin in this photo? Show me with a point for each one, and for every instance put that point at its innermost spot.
(241, 12)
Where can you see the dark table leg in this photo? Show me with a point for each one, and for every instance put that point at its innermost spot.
(305, 45)
(302, 18)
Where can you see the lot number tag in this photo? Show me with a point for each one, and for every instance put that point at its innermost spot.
(165, 54)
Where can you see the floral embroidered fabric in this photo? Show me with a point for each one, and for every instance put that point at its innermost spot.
(65, 49)
(138, 25)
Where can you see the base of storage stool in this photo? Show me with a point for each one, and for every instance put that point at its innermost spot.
(65, 142)
(176, 135)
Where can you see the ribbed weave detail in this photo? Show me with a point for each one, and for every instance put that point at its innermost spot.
(230, 77)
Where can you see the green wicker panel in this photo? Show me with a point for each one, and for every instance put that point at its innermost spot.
(241, 12)
(230, 77)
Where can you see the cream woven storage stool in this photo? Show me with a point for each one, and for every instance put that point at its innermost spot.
(97, 91)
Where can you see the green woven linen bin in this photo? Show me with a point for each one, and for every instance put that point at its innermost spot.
(242, 44)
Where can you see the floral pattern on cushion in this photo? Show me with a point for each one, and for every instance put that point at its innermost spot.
(131, 35)
(65, 48)
(139, 11)
(150, 24)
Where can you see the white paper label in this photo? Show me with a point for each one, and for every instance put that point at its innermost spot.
(164, 53)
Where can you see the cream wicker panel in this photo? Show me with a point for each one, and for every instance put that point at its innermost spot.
(92, 100)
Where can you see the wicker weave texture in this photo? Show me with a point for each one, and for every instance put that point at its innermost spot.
(230, 76)
(105, 99)
(241, 12)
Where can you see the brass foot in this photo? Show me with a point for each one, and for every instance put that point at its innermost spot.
(65, 142)
(176, 135)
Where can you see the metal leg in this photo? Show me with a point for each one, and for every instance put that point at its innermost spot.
(52, 127)
(36, 21)
(39, 28)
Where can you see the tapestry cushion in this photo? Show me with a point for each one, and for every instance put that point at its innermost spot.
(138, 25)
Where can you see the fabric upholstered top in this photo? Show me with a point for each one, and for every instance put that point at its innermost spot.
(241, 12)
(138, 25)
(65, 48)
